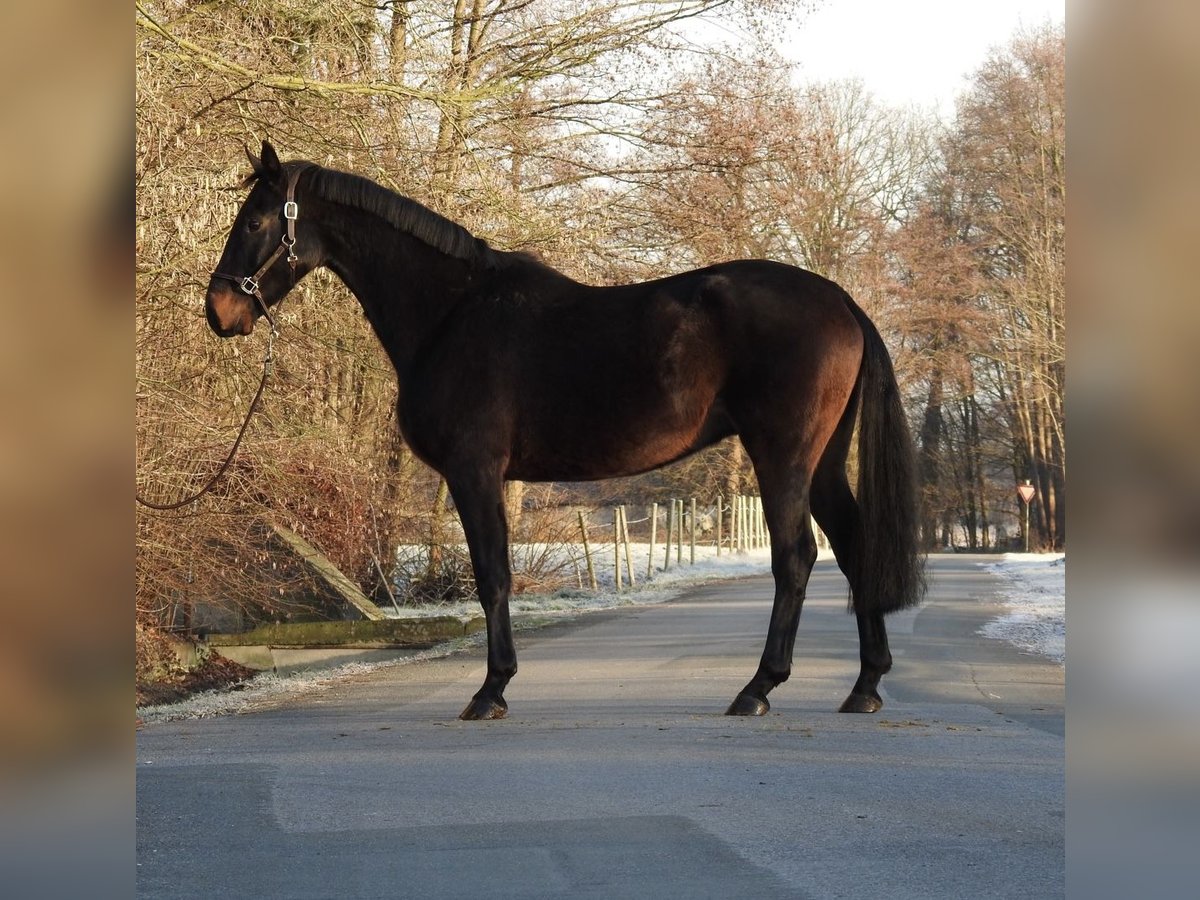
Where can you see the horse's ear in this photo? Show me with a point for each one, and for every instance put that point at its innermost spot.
(256, 168)
(255, 162)
(271, 166)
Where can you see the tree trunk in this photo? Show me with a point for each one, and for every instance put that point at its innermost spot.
(931, 443)
(437, 526)
(398, 41)
(514, 500)
(733, 468)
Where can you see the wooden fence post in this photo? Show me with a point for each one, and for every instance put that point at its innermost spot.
(751, 524)
(733, 535)
(743, 522)
(679, 534)
(737, 523)
(625, 537)
(693, 558)
(720, 515)
(653, 535)
(617, 546)
(670, 537)
(587, 553)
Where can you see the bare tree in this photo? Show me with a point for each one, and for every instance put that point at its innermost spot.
(933, 301)
(979, 290)
(1009, 150)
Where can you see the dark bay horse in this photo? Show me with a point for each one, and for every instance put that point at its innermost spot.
(509, 369)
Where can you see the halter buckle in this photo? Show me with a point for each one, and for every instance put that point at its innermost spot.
(291, 210)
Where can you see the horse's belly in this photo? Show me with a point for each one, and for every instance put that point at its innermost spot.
(623, 445)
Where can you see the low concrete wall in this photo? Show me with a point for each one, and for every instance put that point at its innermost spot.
(290, 660)
(297, 646)
(360, 634)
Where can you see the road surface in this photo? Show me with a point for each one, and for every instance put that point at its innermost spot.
(616, 775)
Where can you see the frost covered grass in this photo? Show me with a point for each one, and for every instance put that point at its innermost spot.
(266, 689)
(1036, 596)
(529, 610)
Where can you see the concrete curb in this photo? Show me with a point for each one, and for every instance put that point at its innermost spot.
(298, 646)
(356, 634)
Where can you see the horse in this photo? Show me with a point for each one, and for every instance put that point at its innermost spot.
(508, 369)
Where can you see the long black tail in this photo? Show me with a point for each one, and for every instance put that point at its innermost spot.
(891, 566)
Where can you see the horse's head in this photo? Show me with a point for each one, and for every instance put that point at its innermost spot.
(264, 256)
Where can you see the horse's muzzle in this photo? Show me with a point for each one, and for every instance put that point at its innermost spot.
(228, 312)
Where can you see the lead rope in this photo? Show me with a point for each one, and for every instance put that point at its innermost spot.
(250, 286)
(267, 361)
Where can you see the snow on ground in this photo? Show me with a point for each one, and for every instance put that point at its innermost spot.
(663, 584)
(267, 688)
(1036, 596)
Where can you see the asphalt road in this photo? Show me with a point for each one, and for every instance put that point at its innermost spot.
(616, 775)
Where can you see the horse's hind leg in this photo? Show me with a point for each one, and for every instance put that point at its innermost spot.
(480, 503)
(837, 512)
(875, 659)
(793, 552)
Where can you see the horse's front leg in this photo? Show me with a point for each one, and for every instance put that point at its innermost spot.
(480, 503)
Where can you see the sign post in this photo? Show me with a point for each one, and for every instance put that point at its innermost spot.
(1025, 492)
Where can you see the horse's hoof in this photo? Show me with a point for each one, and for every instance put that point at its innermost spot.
(748, 705)
(484, 708)
(862, 703)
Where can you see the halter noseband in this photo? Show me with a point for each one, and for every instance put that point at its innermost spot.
(249, 283)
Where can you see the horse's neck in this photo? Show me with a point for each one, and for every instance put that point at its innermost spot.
(406, 288)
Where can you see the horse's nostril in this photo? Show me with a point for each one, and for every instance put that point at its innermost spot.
(226, 312)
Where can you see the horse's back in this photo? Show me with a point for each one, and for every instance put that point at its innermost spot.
(712, 309)
(623, 379)
(768, 303)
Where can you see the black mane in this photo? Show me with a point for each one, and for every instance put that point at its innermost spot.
(402, 213)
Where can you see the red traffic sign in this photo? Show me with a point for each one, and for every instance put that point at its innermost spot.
(1026, 492)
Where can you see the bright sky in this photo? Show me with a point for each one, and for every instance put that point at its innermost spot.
(910, 52)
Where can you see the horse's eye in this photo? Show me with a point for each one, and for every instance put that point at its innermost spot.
(253, 224)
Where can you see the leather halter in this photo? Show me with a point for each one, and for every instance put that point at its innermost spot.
(249, 283)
